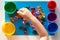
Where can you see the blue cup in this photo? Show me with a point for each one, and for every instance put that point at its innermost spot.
(52, 28)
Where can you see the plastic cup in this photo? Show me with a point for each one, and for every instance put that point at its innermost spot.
(52, 5)
(10, 7)
(52, 17)
(8, 28)
(52, 28)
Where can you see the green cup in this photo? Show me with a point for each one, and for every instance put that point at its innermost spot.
(10, 7)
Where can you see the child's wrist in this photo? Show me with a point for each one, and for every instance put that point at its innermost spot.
(30, 16)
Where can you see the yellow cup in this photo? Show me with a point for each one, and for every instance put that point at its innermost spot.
(8, 28)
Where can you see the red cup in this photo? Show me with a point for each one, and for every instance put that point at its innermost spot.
(52, 5)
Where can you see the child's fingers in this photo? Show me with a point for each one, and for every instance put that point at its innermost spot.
(20, 12)
(24, 12)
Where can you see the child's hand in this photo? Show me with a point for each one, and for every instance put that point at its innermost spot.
(24, 12)
(37, 24)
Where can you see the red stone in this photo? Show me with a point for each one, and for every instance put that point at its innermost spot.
(25, 32)
(33, 11)
(24, 22)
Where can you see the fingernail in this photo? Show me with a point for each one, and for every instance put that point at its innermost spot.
(19, 12)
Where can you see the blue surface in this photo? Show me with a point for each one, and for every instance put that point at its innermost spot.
(19, 23)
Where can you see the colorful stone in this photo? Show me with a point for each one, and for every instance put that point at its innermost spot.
(33, 11)
(39, 8)
(11, 19)
(34, 32)
(25, 18)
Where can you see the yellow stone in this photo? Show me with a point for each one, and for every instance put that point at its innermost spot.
(40, 16)
(25, 18)
(39, 8)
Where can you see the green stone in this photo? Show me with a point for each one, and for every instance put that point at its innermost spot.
(43, 19)
(27, 7)
(21, 28)
(34, 32)
(27, 23)
(25, 29)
